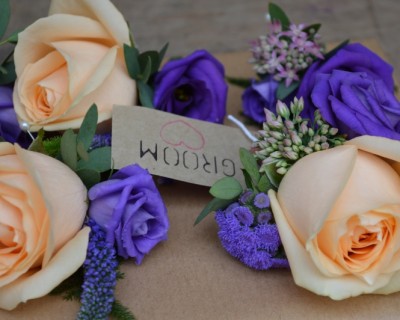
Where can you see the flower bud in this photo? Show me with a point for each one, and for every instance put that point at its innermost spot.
(282, 109)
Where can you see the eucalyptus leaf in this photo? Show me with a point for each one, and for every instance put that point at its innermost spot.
(82, 151)
(145, 94)
(7, 73)
(277, 14)
(37, 144)
(240, 82)
(227, 188)
(274, 177)
(264, 184)
(68, 149)
(247, 179)
(154, 58)
(89, 177)
(213, 205)
(283, 92)
(99, 160)
(132, 61)
(88, 127)
(250, 165)
(4, 16)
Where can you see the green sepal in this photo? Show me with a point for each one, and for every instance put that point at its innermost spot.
(131, 55)
(149, 62)
(161, 54)
(88, 127)
(7, 73)
(145, 94)
(331, 53)
(274, 177)
(240, 82)
(250, 165)
(99, 160)
(68, 149)
(37, 144)
(264, 184)
(213, 205)
(277, 14)
(4, 16)
(226, 188)
(283, 92)
(89, 177)
(315, 27)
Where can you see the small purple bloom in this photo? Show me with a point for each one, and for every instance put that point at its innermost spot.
(264, 217)
(9, 126)
(246, 196)
(258, 96)
(256, 247)
(193, 87)
(244, 215)
(261, 201)
(231, 207)
(131, 211)
(354, 91)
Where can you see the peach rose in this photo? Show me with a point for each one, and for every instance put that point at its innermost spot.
(40, 219)
(70, 60)
(338, 214)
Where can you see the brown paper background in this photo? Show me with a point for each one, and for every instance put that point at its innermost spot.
(190, 276)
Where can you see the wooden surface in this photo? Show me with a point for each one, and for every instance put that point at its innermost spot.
(228, 25)
(190, 276)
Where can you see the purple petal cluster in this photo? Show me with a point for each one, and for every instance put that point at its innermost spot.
(257, 246)
(285, 54)
(100, 276)
(101, 140)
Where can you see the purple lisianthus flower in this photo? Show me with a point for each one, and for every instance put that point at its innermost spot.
(193, 87)
(130, 210)
(258, 96)
(9, 126)
(354, 91)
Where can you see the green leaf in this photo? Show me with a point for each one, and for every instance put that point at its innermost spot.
(247, 179)
(227, 188)
(283, 92)
(162, 53)
(214, 204)
(82, 151)
(88, 127)
(147, 71)
(315, 27)
(7, 73)
(13, 38)
(273, 177)
(264, 184)
(53, 146)
(149, 60)
(37, 144)
(145, 94)
(277, 14)
(250, 165)
(4, 16)
(132, 61)
(331, 53)
(68, 149)
(99, 160)
(120, 312)
(89, 177)
(240, 82)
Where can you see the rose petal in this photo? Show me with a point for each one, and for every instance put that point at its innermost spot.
(61, 266)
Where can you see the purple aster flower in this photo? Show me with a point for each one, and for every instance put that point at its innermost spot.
(261, 201)
(231, 207)
(100, 276)
(257, 247)
(244, 215)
